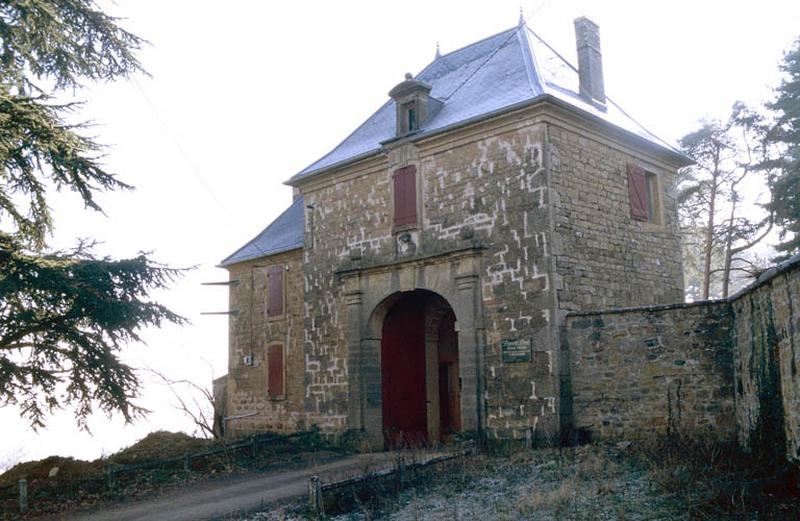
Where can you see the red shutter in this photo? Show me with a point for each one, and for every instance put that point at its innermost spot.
(637, 192)
(275, 291)
(405, 195)
(275, 370)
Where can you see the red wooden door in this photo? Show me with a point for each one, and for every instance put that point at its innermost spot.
(403, 373)
(449, 387)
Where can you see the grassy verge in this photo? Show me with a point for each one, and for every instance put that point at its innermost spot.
(719, 481)
(664, 478)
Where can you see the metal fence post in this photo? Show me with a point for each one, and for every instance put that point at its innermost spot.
(315, 504)
(253, 447)
(401, 470)
(110, 475)
(23, 496)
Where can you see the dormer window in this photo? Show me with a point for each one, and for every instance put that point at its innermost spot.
(414, 105)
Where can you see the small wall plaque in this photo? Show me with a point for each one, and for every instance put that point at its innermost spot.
(516, 349)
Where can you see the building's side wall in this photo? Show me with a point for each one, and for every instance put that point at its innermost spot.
(250, 331)
(604, 258)
(767, 357)
(641, 371)
(485, 187)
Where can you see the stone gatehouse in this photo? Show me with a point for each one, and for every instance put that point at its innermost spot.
(419, 284)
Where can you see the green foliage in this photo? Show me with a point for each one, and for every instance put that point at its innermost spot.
(63, 315)
(64, 41)
(785, 135)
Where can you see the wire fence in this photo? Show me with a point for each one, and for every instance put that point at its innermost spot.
(31, 493)
(341, 496)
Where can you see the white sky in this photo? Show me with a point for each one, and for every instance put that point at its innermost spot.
(244, 94)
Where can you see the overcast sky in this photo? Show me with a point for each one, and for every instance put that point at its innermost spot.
(244, 94)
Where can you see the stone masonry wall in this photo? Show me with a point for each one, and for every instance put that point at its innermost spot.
(488, 189)
(250, 332)
(766, 357)
(604, 258)
(646, 370)
(730, 365)
(497, 188)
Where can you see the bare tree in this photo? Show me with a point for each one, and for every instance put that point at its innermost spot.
(194, 401)
(711, 194)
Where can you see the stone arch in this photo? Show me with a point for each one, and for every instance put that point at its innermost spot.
(370, 295)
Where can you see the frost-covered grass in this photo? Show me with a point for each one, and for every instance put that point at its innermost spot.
(583, 483)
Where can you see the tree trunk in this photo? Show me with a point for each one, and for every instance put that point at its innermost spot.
(709, 240)
(726, 269)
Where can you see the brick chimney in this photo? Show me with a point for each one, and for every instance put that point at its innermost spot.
(590, 61)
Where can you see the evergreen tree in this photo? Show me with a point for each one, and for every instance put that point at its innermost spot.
(65, 315)
(785, 181)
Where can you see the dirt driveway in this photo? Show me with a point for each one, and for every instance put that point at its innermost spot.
(212, 500)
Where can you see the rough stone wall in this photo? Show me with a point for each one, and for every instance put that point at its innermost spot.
(604, 258)
(497, 188)
(350, 214)
(767, 356)
(647, 370)
(481, 190)
(250, 332)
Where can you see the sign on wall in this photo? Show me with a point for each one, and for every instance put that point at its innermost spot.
(516, 349)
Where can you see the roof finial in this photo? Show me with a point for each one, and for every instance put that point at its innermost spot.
(409, 76)
(521, 17)
(438, 52)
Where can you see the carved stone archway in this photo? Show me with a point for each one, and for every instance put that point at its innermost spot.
(371, 291)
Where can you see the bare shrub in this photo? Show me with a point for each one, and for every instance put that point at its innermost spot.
(718, 479)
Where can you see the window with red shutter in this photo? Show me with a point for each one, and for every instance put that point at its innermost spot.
(275, 387)
(275, 292)
(638, 192)
(405, 195)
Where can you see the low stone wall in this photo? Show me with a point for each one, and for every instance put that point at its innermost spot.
(766, 344)
(729, 365)
(644, 370)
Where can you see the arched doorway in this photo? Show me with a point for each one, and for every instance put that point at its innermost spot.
(420, 384)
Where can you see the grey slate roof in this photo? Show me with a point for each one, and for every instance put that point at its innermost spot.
(495, 74)
(283, 234)
(487, 77)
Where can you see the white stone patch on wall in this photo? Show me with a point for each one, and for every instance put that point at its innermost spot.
(539, 195)
(468, 200)
(541, 242)
(525, 319)
(536, 275)
(512, 158)
(498, 271)
(483, 159)
(479, 222)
